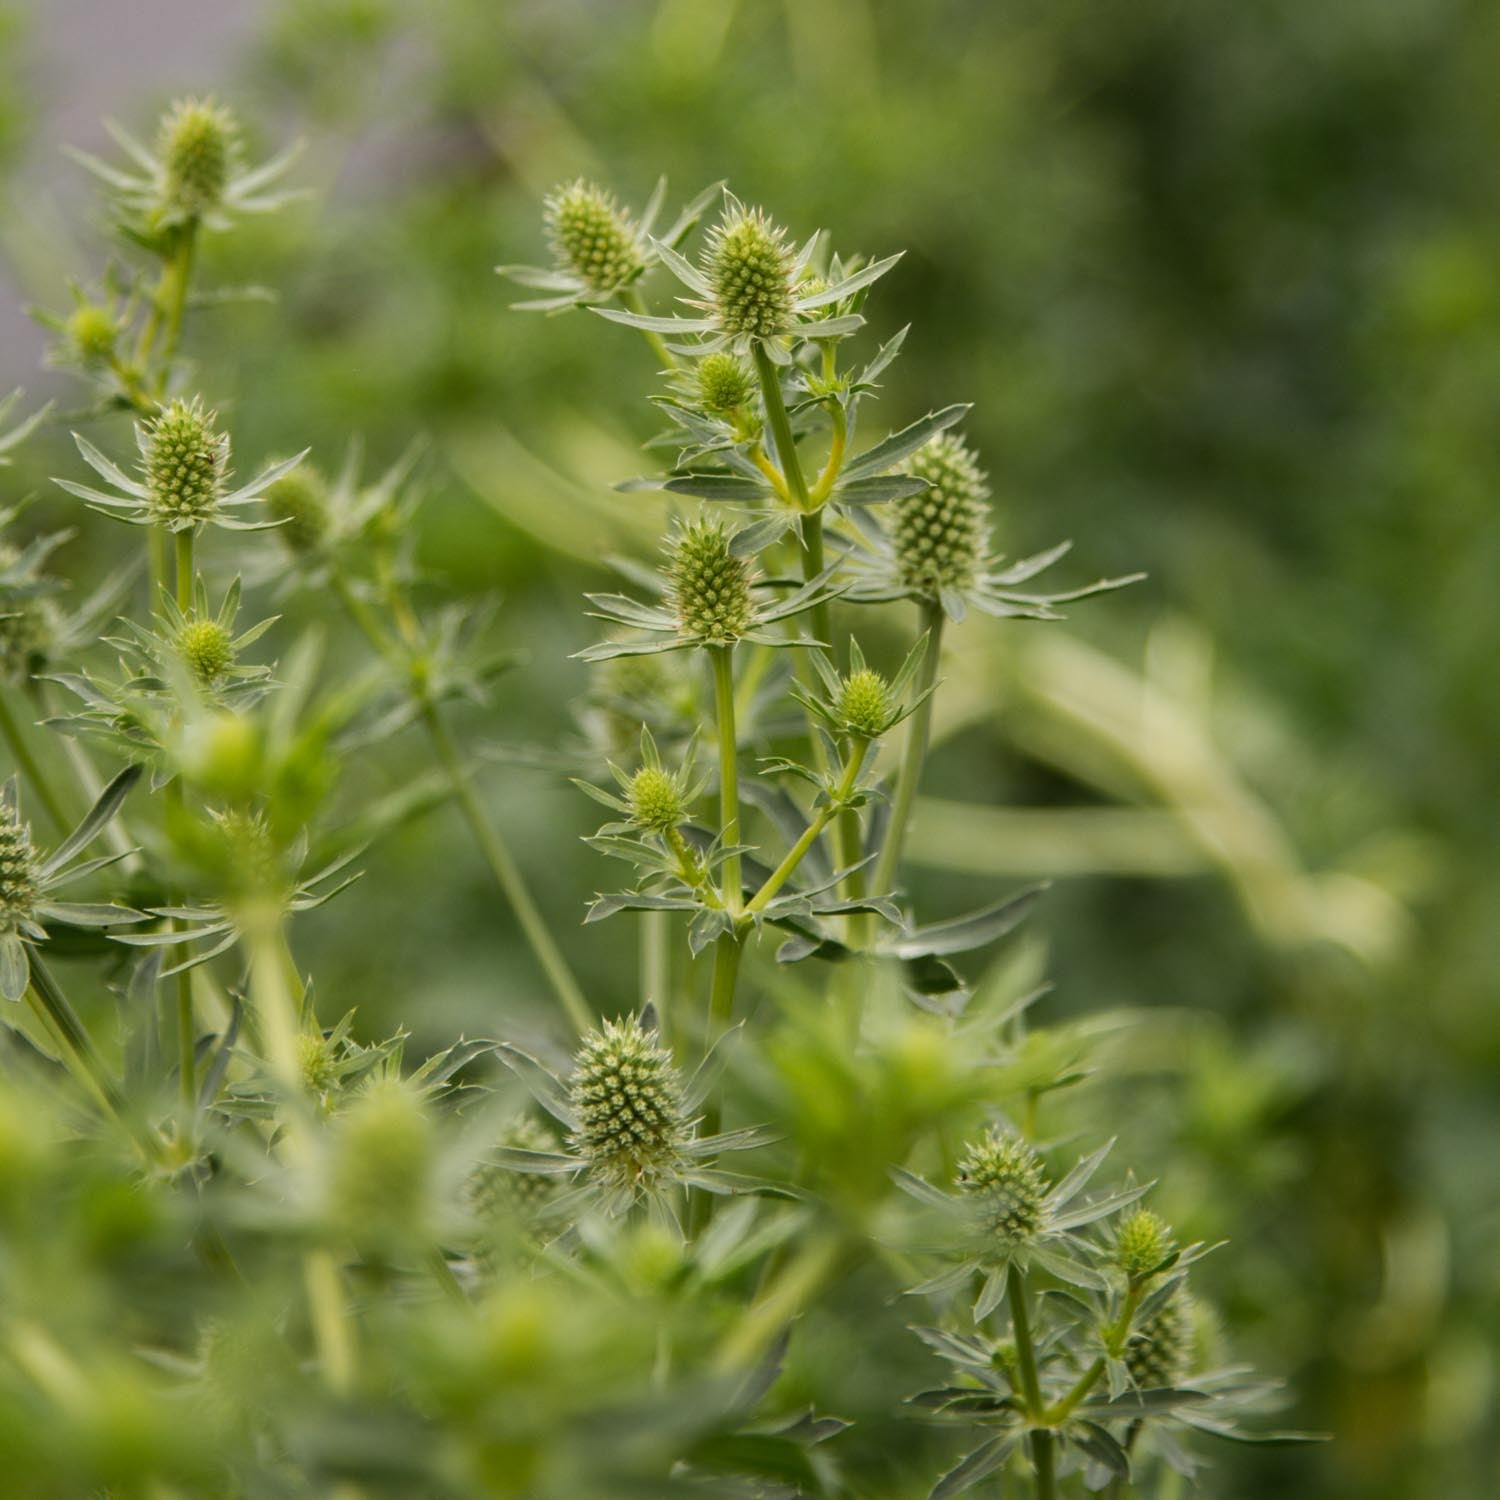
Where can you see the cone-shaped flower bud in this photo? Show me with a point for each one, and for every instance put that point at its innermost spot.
(91, 332)
(1005, 1178)
(748, 265)
(593, 236)
(1161, 1351)
(655, 800)
(498, 1197)
(1142, 1242)
(865, 704)
(628, 1099)
(196, 144)
(316, 1063)
(724, 384)
(709, 587)
(207, 648)
(299, 501)
(939, 535)
(186, 463)
(18, 871)
(382, 1161)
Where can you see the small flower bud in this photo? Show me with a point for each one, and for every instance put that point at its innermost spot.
(655, 801)
(299, 501)
(709, 587)
(381, 1168)
(593, 236)
(91, 332)
(222, 755)
(628, 1099)
(749, 266)
(316, 1063)
(865, 706)
(207, 648)
(1142, 1242)
(1005, 1178)
(939, 535)
(1161, 1350)
(18, 872)
(186, 463)
(724, 384)
(197, 142)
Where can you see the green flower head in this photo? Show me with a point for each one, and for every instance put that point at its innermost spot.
(186, 463)
(594, 237)
(1005, 1179)
(655, 800)
(940, 535)
(207, 648)
(724, 384)
(1161, 1350)
(299, 503)
(19, 886)
(91, 333)
(627, 1097)
(865, 704)
(1142, 1242)
(708, 586)
(750, 269)
(197, 145)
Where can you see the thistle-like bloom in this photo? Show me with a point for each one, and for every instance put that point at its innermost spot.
(1006, 1212)
(1143, 1246)
(631, 1121)
(722, 383)
(203, 640)
(1161, 1350)
(654, 800)
(599, 248)
(934, 546)
(195, 173)
(862, 703)
(709, 600)
(28, 879)
(752, 287)
(184, 462)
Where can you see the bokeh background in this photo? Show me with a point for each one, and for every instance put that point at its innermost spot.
(1224, 284)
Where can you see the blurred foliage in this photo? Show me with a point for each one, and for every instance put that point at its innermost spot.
(1224, 283)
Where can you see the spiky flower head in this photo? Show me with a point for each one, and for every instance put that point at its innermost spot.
(939, 535)
(1161, 1351)
(299, 502)
(627, 1097)
(207, 648)
(197, 144)
(593, 236)
(1007, 1183)
(1142, 1242)
(186, 463)
(749, 268)
(91, 332)
(656, 802)
(708, 586)
(865, 704)
(498, 1197)
(317, 1063)
(724, 384)
(18, 870)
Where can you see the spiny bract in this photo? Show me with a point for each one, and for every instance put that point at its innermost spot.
(939, 535)
(723, 382)
(749, 266)
(186, 463)
(299, 501)
(18, 874)
(865, 706)
(196, 144)
(1142, 1242)
(628, 1099)
(709, 587)
(593, 236)
(207, 649)
(1006, 1179)
(655, 800)
(1161, 1351)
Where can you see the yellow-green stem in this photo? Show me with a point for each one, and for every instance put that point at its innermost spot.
(781, 427)
(919, 731)
(184, 541)
(722, 660)
(173, 292)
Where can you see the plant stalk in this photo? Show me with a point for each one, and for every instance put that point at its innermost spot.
(637, 304)
(918, 734)
(1031, 1390)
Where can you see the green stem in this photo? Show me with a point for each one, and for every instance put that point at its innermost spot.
(508, 876)
(184, 540)
(781, 427)
(636, 303)
(30, 769)
(172, 292)
(656, 959)
(917, 736)
(782, 873)
(722, 660)
(1031, 1389)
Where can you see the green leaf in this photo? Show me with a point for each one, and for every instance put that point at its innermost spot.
(900, 445)
(964, 934)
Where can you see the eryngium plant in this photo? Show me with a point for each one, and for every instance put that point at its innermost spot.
(248, 1252)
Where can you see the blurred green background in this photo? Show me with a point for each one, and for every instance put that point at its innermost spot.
(1224, 284)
